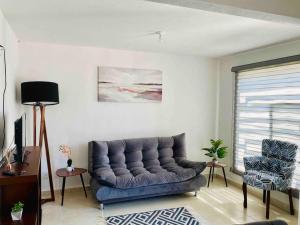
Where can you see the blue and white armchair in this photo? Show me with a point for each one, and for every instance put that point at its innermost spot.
(273, 171)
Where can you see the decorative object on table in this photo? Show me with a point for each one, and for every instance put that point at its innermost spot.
(216, 151)
(64, 174)
(7, 155)
(212, 165)
(41, 94)
(17, 211)
(129, 85)
(178, 216)
(66, 150)
(272, 171)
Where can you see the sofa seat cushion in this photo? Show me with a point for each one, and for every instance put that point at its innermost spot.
(266, 180)
(139, 176)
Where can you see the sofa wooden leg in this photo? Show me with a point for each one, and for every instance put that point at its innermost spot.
(268, 204)
(264, 196)
(245, 194)
(290, 192)
(195, 194)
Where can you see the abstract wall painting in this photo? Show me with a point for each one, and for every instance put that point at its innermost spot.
(129, 85)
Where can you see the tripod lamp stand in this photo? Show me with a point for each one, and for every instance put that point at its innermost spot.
(40, 94)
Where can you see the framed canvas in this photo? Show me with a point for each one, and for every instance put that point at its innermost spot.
(129, 85)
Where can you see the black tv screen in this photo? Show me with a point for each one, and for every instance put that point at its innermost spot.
(20, 138)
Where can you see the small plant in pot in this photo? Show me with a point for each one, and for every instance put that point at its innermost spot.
(216, 151)
(66, 150)
(17, 211)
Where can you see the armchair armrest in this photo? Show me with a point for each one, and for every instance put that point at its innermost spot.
(197, 166)
(287, 171)
(253, 162)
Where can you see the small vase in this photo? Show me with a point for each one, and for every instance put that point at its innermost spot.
(215, 161)
(69, 168)
(8, 167)
(17, 215)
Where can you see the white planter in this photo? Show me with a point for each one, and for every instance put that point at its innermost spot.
(69, 168)
(17, 215)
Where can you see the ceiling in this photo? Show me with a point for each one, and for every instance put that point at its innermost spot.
(129, 24)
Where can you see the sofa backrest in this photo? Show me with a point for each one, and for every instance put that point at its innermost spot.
(131, 153)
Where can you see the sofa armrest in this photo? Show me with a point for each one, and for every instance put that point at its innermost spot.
(105, 176)
(253, 162)
(197, 166)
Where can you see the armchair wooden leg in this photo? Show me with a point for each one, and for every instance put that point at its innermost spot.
(268, 204)
(245, 194)
(264, 196)
(290, 192)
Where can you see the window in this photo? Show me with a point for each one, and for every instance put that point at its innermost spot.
(267, 106)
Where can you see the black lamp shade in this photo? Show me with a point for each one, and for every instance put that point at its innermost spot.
(39, 92)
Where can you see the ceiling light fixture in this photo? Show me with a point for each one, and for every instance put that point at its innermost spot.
(159, 35)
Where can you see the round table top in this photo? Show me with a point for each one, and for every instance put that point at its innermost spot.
(220, 165)
(64, 173)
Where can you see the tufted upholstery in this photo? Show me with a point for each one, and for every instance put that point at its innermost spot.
(274, 169)
(141, 162)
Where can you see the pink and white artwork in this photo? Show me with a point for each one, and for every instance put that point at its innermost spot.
(129, 85)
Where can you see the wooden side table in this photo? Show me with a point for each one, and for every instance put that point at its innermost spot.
(212, 166)
(64, 174)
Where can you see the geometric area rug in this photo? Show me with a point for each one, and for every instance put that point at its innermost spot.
(173, 216)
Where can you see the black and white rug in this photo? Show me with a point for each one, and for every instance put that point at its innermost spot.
(174, 216)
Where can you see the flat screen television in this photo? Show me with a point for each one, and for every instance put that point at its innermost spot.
(20, 138)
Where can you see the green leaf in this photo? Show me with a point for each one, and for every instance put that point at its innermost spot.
(209, 154)
(222, 148)
(217, 143)
(221, 152)
(206, 149)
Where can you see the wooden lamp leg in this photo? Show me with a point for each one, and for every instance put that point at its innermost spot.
(34, 125)
(43, 135)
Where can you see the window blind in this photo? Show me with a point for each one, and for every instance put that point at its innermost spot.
(267, 105)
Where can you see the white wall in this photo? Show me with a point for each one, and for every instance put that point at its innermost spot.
(9, 41)
(189, 97)
(226, 93)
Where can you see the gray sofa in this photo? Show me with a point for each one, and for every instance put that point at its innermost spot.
(130, 169)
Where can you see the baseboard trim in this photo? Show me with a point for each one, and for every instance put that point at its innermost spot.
(74, 188)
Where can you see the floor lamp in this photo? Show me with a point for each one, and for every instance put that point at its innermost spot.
(40, 94)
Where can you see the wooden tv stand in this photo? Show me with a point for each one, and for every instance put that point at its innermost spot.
(24, 187)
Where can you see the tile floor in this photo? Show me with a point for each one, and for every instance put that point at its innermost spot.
(217, 205)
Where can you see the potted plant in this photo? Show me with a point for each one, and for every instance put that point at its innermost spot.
(216, 151)
(17, 211)
(66, 150)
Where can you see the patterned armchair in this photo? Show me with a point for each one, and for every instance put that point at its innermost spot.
(273, 171)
